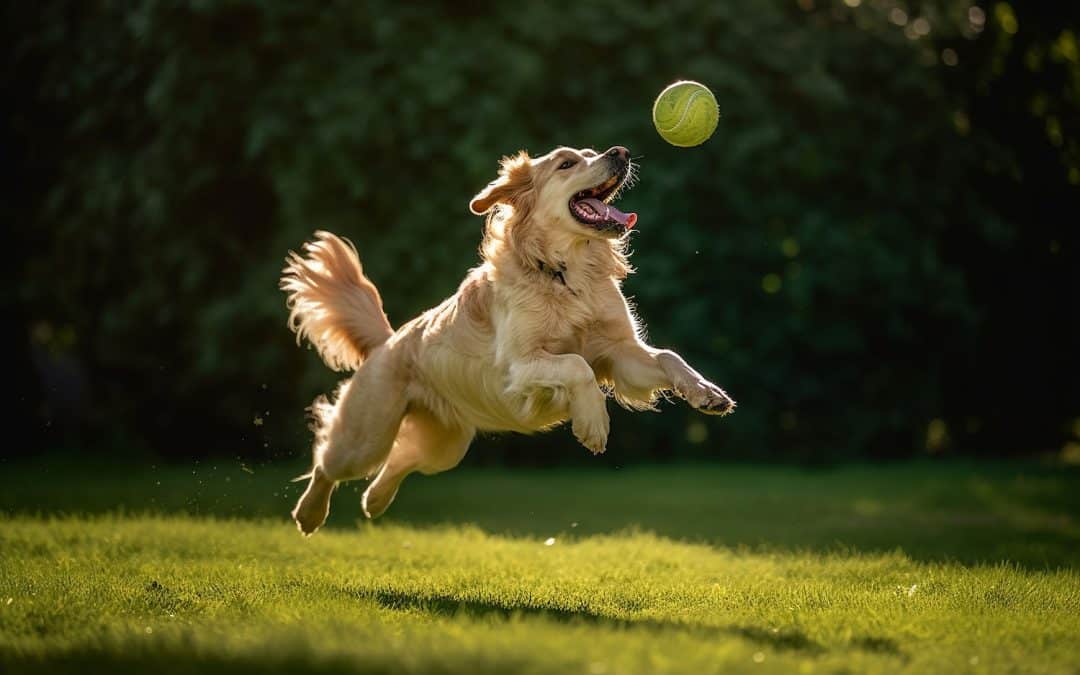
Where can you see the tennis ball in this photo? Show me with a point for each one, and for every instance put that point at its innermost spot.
(685, 114)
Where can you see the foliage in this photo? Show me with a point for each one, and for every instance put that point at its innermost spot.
(804, 257)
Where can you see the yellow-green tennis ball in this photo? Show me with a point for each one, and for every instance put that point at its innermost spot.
(685, 114)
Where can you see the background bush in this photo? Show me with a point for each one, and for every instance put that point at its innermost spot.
(872, 253)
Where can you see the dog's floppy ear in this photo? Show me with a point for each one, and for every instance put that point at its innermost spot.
(515, 179)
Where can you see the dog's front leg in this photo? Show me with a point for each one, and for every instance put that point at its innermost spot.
(565, 381)
(692, 386)
(639, 371)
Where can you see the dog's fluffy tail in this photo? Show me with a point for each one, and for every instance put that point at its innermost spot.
(332, 303)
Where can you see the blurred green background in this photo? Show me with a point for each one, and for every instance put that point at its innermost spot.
(876, 253)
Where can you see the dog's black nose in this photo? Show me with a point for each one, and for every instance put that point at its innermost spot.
(618, 151)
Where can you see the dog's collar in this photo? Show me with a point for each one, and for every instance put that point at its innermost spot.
(556, 272)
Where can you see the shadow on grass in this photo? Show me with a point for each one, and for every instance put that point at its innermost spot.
(301, 659)
(776, 639)
(180, 661)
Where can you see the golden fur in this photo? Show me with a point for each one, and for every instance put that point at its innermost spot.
(539, 333)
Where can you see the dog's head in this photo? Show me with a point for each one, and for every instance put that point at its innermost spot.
(567, 189)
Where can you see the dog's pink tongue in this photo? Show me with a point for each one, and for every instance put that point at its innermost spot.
(609, 211)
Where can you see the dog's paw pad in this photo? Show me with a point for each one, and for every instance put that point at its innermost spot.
(721, 405)
(708, 398)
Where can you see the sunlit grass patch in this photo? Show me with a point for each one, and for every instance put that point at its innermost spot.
(515, 586)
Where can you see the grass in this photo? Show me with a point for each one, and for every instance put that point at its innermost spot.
(914, 568)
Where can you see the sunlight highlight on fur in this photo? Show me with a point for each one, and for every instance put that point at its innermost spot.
(332, 304)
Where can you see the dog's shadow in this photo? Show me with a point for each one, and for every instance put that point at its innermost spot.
(776, 639)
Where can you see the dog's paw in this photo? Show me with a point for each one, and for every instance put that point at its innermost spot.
(592, 431)
(314, 505)
(377, 499)
(309, 519)
(706, 397)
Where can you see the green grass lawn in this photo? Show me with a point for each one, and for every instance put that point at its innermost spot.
(915, 568)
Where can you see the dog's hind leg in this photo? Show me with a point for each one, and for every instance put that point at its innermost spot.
(423, 444)
(354, 435)
(314, 505)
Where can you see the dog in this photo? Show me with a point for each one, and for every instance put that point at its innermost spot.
(539, 333)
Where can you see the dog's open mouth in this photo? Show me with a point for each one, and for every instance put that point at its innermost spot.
(590, 207)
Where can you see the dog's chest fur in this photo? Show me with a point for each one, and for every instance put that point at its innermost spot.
(558, 310)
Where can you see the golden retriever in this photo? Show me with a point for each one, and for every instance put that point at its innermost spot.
(537, 334)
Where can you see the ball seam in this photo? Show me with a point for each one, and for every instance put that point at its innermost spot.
(685, 112)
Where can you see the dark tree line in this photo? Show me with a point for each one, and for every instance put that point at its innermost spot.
(876, 253)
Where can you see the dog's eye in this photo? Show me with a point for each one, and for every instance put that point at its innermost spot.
(567, 164)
